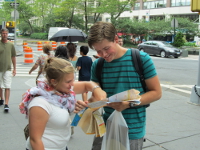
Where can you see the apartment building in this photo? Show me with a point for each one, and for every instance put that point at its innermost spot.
(149, 9)
(1, 1)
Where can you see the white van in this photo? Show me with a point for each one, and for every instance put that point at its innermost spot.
(53, 30)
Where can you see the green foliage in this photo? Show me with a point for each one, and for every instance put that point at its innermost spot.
(156, 27)
(24, 27)
(116, 7)
(187, 26)
(178, 40)
(43, 36)
(190, 44)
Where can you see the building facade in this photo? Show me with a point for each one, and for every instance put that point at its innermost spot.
(149, 9)
(1, 3)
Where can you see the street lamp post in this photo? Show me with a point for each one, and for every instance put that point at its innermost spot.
(195, 94)
(15, 24)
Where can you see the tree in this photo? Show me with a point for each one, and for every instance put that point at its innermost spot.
(5, 15)
(155, 27)
(25, 13)
(178, 40)
(65, 14)
(116, 7)
(6, 12)
(42, 9)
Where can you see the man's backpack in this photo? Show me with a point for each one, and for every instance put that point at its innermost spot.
(137, 64)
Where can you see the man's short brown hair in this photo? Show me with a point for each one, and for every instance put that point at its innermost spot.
(4, 29)
(100, 31)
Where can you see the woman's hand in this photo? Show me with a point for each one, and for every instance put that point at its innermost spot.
(80, 105)
(97, 95)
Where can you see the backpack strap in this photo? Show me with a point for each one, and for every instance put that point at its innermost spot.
(138, 67)
(137, 62)
(99, 69)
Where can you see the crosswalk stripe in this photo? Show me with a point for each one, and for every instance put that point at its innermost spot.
(23, 69)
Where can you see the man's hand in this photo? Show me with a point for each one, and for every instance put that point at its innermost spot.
(80, 105)
(119, 106)
(14, 72)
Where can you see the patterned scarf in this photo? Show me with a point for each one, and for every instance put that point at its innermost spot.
(45, 91)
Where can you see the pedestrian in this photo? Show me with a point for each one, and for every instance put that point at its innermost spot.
(7, 56)
(83, 65)
(118, 75)
(48, 105)
(72, 53)
(61, 52)
(41, 60)
(120, 41)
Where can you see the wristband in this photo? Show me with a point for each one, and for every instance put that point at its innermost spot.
(95, 88)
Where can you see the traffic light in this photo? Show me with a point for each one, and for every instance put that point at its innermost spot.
(10, 24)
(195, 5)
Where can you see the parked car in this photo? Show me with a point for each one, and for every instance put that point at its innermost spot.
(161, 48)
(11, 36)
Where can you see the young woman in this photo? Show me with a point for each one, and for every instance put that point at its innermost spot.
(48, 105)
(61, 52)
(41, 60)
(72, 53)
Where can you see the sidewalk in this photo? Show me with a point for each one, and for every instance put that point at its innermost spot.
(172, 124)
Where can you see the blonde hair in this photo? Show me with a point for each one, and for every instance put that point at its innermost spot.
(47, 48)
(57, 68)
(100, 31)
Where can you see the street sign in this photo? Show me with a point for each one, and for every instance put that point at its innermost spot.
(174, 23)
(9, 0)
(13, 4)
(15, 13)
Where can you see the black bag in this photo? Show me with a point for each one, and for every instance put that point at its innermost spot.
(137, 64)
(26, 131)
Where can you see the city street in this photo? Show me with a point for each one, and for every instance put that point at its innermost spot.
(172, 123)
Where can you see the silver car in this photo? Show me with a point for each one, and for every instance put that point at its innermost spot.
(11, 36)
(161, 48)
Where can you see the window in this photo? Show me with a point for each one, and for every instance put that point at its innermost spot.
(137, 6)
(155, 4)
(180, 3)
(147, 43)
(90, 19)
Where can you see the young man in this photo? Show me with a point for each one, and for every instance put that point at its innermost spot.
(7, 55)
(83, 65)
(119, 74)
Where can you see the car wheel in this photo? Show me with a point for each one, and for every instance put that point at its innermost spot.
(175, 56)
(142, 49)
(163, 54)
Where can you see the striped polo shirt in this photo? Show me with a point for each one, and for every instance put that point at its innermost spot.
(120, 75)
